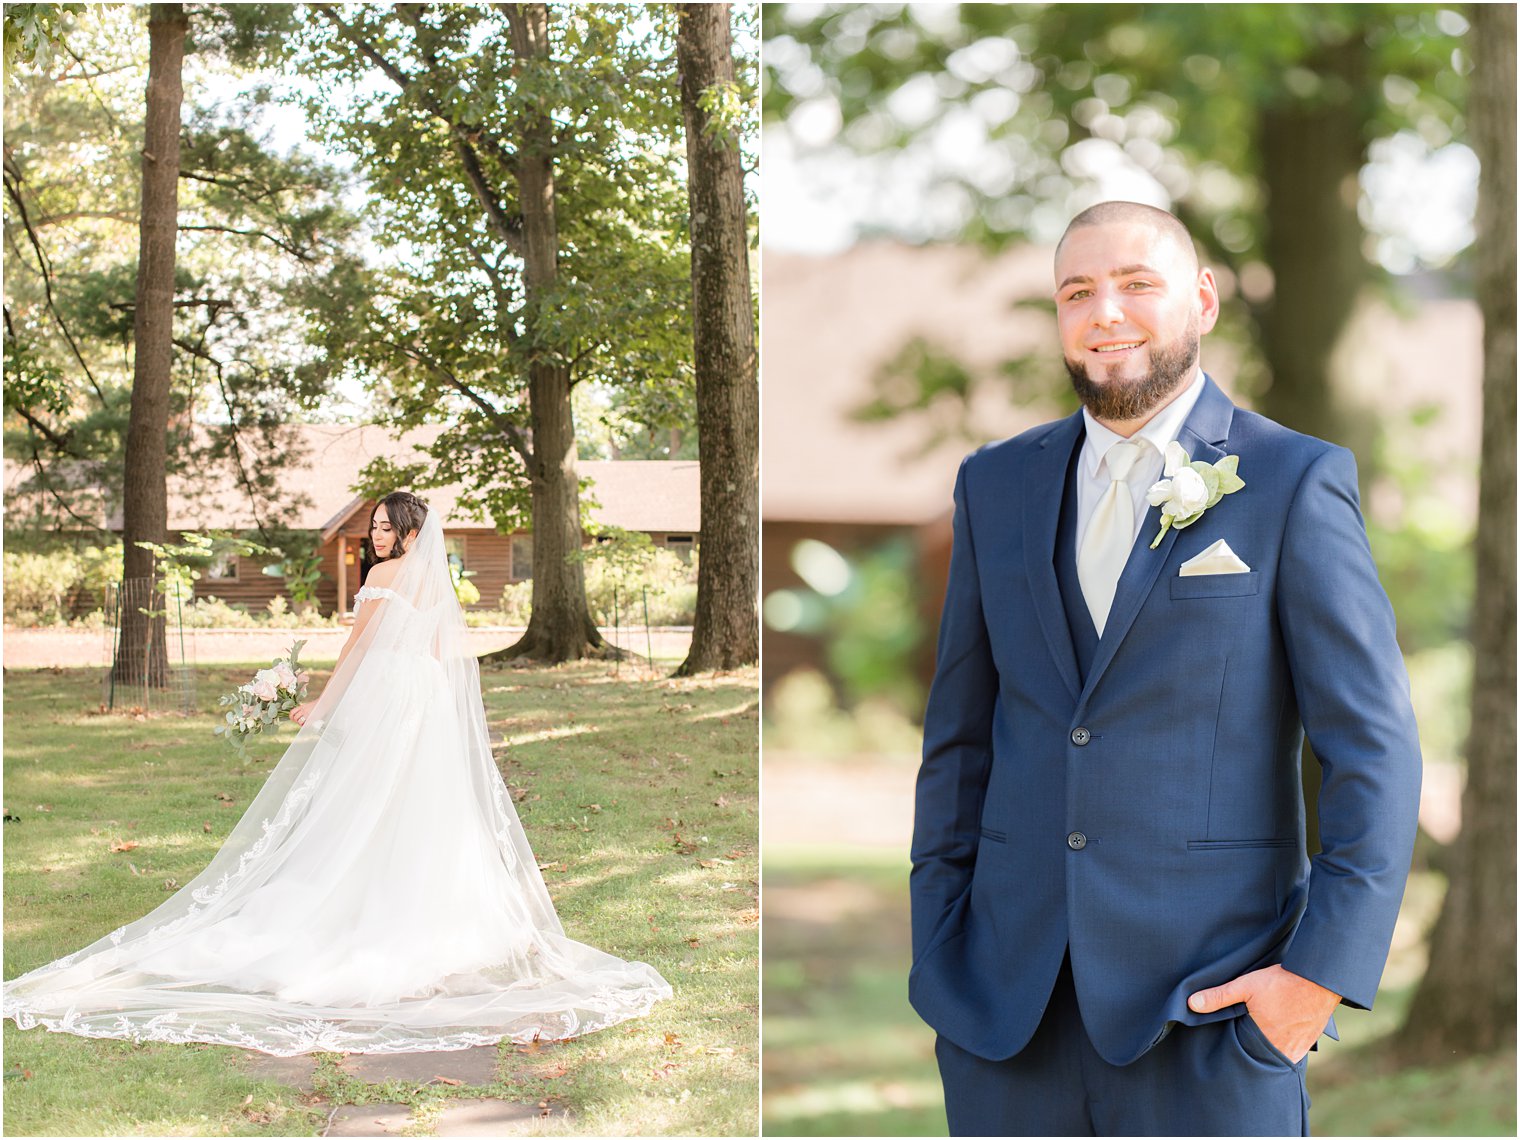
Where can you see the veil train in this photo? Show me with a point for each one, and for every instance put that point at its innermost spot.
(379, 895)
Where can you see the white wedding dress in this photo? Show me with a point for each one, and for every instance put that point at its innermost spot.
(378, 896)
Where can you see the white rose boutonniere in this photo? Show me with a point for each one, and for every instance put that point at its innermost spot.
(1191, 488)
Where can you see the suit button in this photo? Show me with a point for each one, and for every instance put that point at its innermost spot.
(1076, 841)
(1080, 736)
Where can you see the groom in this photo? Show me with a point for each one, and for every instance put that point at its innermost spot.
(1116, 929)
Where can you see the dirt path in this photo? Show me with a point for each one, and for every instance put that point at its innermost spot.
(47, 648)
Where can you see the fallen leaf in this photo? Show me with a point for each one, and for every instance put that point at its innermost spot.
(450, 1081)
(693, 942)
(559, 867)
(171, 884)
(707, 864)
(124, 845)
(592, 808)
(133, 868)
(44, 807)
(672, 1040)
(224, 797)
(721, 801)
(206, 826)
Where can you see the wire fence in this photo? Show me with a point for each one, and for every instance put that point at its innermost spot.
(150, 663)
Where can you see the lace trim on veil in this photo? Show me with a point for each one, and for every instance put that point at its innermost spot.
(599, 991)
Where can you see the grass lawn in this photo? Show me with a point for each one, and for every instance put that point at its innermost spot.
(639, 796)
(845, 1055)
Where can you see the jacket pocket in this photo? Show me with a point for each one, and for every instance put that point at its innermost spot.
(1216, 585)
(1234, 844)
(1259, 1047)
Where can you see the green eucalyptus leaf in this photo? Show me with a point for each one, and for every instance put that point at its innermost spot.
(1229, 482)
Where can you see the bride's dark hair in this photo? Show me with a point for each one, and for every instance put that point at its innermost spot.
(406, 512)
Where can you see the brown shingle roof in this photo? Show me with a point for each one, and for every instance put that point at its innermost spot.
(648, 495)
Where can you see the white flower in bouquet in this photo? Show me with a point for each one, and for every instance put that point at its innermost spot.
(260, 704)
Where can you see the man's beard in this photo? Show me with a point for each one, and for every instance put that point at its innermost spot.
(1121, 400)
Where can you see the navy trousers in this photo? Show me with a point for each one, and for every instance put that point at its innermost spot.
(1221, 1079)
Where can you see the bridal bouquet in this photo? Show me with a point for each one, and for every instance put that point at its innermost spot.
(263, 702)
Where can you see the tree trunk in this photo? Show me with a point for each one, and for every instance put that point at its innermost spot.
(727, 630)
(1466, 1001)
(560, 627)
(145, 509)
(1312, 150)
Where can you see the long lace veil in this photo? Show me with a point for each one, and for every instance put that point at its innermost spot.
(378, 895)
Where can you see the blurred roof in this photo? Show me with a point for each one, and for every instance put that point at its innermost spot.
(648, 495)
(830, 323)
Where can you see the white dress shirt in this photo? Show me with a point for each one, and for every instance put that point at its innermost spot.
(1093, 476)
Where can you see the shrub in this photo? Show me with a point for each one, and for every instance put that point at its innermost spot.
(671, 584)
(37, 586)
(45, 587)
(517, 602)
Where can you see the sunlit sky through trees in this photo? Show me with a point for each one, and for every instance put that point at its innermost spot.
(827, 191)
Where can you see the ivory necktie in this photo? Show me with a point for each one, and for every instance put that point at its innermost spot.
(1110, 534)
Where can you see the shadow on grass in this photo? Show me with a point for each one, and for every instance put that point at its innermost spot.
(645, 821)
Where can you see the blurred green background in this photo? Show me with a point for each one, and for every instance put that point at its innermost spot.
(921, 162)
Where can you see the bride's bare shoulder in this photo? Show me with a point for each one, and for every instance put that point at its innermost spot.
(382, 574)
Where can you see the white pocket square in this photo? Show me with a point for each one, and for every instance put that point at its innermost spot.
(1217, 559)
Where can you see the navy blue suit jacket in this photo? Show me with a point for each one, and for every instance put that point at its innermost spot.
(1150, 816)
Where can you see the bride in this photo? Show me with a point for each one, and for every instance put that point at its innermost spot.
(379, 895)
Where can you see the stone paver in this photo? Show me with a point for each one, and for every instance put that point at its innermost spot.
(369, 1120)
(492, 1118)
(475, 1066)
(293, 1071)
(482, 1117)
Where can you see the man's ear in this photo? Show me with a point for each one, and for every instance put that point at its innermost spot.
(1208, 301)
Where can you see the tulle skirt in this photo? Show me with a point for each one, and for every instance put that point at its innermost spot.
(378, 896)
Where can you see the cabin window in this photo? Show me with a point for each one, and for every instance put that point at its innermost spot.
(222, 568)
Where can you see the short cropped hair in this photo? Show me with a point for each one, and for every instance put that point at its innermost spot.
(1105, 213)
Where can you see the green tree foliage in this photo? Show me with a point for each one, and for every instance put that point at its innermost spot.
(446, 330)
(258, 231)
(539, 250)
(1254, 123)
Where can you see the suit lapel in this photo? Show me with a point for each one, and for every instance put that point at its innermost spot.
(1042, 519)
(1202, 436)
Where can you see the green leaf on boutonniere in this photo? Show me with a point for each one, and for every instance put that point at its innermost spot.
(1210, 480)
(1229, 482)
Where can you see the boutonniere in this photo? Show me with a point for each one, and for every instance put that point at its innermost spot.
(1191, 488)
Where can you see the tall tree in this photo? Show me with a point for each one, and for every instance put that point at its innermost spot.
(538, 251)
(254, 229)
(1466, 1000)
(726, 632)
(145, 500)
(1255, 122)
